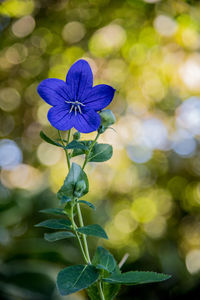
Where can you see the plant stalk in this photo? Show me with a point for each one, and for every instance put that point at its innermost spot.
(77, 236)
(84, 236)
(92, 145)
(100, 290)
(66, 151)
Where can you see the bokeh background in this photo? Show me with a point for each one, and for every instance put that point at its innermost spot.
(148, 194)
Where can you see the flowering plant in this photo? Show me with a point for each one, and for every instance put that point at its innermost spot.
(76, 103)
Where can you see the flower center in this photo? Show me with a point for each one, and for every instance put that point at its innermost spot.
(76, 105)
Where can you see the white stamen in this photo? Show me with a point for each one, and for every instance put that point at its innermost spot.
(75, 106)
(79, 109)
(71, 108)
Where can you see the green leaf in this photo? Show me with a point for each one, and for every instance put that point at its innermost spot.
(87, 203)
(76, 183)
(53, 211)
(76, 145)
(100, 153)
(55, 236)
(64, 199)
(55, 224)
(49, 140)
(103, 259)
(76, 278)
(77, 152)
(93, 230)
(136, 277)
(110, 291)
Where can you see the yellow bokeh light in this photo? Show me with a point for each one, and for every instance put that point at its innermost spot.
(10, 99)
(23, 176)
(48, 154)
(23, 26)
(107, 39)
(17, 8)
(144, 209)
(73, 32)
(193, 261)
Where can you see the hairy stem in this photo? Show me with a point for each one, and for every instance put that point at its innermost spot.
(84, 236)
(66, 151)
(100, 290)
(77, 235)
(88, 154)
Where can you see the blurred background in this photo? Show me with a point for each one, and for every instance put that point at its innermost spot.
(148, 194)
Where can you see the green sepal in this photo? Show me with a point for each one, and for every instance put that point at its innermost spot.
(71, 187)
(49, 140)
(100, 153)
(55, 224)
(53, 211)
(136, 277)
(103, 259)
(59, 235)
(75, 278)
(87, 203)
(93, 230)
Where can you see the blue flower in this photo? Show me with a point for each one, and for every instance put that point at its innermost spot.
(75, 103)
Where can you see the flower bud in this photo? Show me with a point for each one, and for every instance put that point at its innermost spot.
(79, 188)
(107, 119)
(76, 136)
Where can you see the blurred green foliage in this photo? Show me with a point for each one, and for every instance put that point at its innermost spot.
(148, 194)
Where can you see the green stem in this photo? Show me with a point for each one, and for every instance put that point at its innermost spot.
(66, 151)
(88, 154)
(100, 290)
(77, 235)
(84, 236)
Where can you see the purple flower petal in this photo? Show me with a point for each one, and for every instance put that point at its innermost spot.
(99, 97)
(53, 91)
(61, 118)
(88, 121)
(79, 79)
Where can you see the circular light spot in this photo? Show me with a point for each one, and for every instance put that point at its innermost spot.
(9, 99)
(48, 155)
(156, 228)
(22, 176)
(193, 261)
(144, 209)
(139, 154)
(10, 154)
(165, 25)
(17, 8)
(23, 26)
(153, 134)
(124, 222)
(16, 54)
(73, 32)
(107, 39)
(185, 147)
(190, 72)
(42, 114)
(188, 115)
